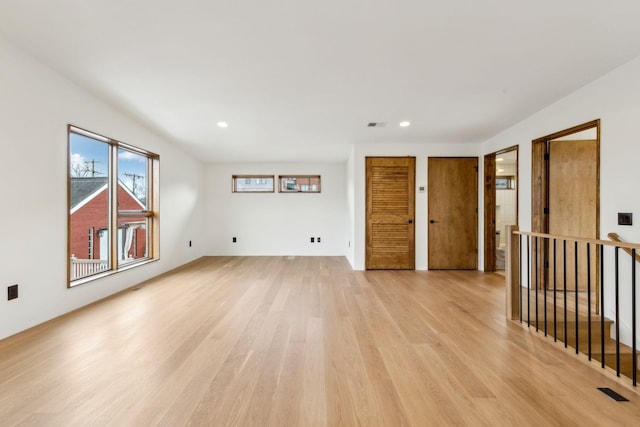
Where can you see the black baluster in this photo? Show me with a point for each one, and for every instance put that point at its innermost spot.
(528, 281)
(546, 281)
(520, 277)
(564, 277)
(633, 317)
(602, 304)
(575, 268)
(617, 314)
(555, 286)
(589, 297)
(536, 281)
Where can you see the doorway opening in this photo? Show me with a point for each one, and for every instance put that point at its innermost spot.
(500, 204)
(566, 200)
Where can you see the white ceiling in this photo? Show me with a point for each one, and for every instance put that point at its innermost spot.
(299, 80)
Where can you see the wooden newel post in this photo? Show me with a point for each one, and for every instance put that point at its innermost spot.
(512, 273)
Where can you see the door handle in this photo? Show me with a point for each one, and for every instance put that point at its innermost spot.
(433, 221)
(410, 221)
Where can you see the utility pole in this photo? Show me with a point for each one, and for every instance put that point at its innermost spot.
(134, 178)
(94, 172)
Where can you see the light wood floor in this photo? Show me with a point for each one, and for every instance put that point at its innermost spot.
(258, 341)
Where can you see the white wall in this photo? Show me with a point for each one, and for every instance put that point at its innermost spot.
(615, 99)
(351, 208)
(276, 223)
(422, 152)
(36, 104)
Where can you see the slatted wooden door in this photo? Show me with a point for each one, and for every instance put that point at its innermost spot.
(390, 200)
(453, 213)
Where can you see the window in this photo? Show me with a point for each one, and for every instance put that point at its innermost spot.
(299, 183)
(505, 183)
(113, 206)
(252, 183)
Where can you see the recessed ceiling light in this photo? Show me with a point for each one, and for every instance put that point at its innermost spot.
(500, 170)
(222, 124)
(499, 159)
(405, 124)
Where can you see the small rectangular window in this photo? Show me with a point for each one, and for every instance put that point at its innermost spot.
(505, 182)
(299, 183)
(252, 183)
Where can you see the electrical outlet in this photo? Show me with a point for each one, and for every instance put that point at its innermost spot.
(318, 239)
(234, 240)
(12, 292)
(312, 240)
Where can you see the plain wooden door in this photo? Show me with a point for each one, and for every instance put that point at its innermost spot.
(573, 207)
(453, 213)
(390, 200)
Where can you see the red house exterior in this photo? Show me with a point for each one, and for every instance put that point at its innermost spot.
(88, 220)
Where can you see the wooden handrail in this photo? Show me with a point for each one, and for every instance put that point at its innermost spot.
(620, 244)
(616, 238)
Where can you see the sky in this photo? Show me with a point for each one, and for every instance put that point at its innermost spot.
(91, 156)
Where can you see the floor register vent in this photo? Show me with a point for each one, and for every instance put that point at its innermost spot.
(612, 394)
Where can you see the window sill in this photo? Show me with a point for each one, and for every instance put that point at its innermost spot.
(122, 268)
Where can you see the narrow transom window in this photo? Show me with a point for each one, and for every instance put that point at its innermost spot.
(299, 183)
(252, 184)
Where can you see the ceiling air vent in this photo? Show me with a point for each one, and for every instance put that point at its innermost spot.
(376, 124)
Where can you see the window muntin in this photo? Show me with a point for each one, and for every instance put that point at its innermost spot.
(299, 183)
(112, 186)
(253, 183)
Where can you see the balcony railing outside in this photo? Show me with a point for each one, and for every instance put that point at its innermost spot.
(86, 267)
